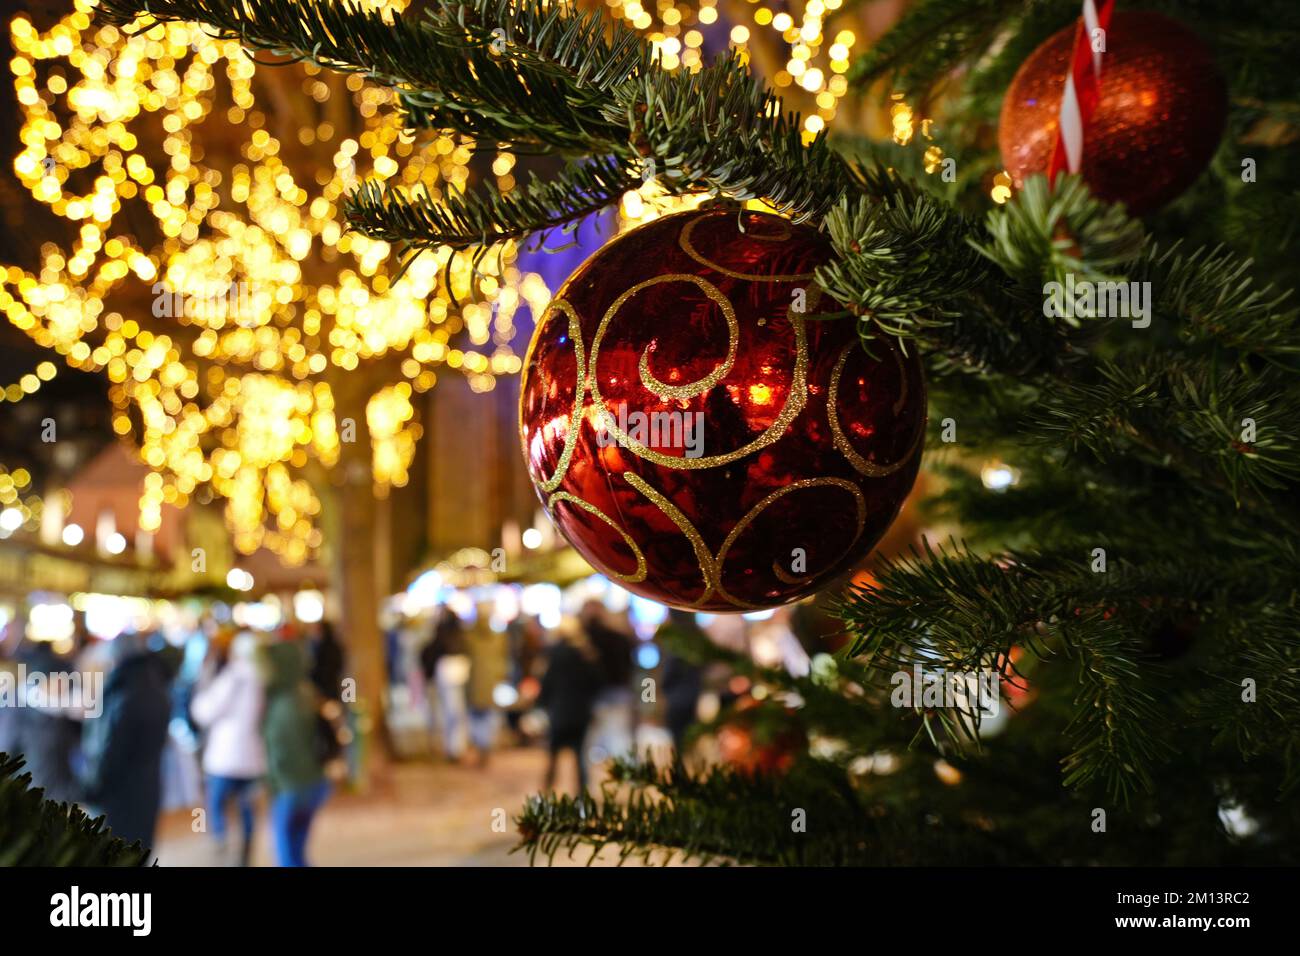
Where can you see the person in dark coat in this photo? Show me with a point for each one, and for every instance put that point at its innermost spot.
(613, 712)
(327, 662)
(569, 689)
(41, 732)
(613, 648)
(448, 640)
(124, 745)
(682, 680)
(445, 663)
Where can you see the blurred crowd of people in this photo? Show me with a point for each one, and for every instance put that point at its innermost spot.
(258, 710)
(479, 679)
(230, 723)
(589, 687)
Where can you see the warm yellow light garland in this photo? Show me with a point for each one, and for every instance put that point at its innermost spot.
(224, 335)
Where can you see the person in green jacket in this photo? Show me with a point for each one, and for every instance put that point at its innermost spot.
(295, 774)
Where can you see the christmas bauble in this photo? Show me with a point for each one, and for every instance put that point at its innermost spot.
(1161, 115)
(761, 738)
(738, 747)
(697, 434)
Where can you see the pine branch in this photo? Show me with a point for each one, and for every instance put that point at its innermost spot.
(952, 609)
(38, 832)
(1047, 233)
(486, 217)
(1215, 302)
(990, 74)
(1069, 501)
(1263, 224)
(1261, 648)
(722, 131)
(1115, 733)
(931, 40)
(725, 816)
(908, 266)
(903, 264)
(896, 167)
(450, 71)
(1188, 416)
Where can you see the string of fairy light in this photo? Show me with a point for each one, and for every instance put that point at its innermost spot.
(672, 28)
(29, 384)
(222, 342)
(816, 63)
(20, 506)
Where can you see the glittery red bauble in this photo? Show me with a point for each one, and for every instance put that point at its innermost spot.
(1160, 119)
(700, 439)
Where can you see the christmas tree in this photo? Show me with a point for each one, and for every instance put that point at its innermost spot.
(1112, 398)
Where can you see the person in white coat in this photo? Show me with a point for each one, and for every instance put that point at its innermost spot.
(228, 706)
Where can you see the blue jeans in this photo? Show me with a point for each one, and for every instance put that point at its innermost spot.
(291, 814)
(453, 716)
(611, 723)
(221, 790)
(483, 727)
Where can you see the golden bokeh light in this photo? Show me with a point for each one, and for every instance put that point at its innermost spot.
(225, 323)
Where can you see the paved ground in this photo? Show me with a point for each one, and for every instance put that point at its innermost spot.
(425, 815)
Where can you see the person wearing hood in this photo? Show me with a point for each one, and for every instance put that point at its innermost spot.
(228, 706)
(124, 744)
(295, 773)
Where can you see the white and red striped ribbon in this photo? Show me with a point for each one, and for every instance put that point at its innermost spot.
(1082, 90)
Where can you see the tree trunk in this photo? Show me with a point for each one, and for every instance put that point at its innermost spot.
(358, 546)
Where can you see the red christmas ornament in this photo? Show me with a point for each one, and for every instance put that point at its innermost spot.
(738, 747)
(761, 739)
(1161, 115)
(696, 434)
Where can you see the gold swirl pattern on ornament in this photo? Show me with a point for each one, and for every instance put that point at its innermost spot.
(575, 416)
(711, 565)
(688, 247)
(743, 523)
(708, 569)
(690, 389)
(640, 573)
(870, 469)
(794, 402)
(786, 577)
